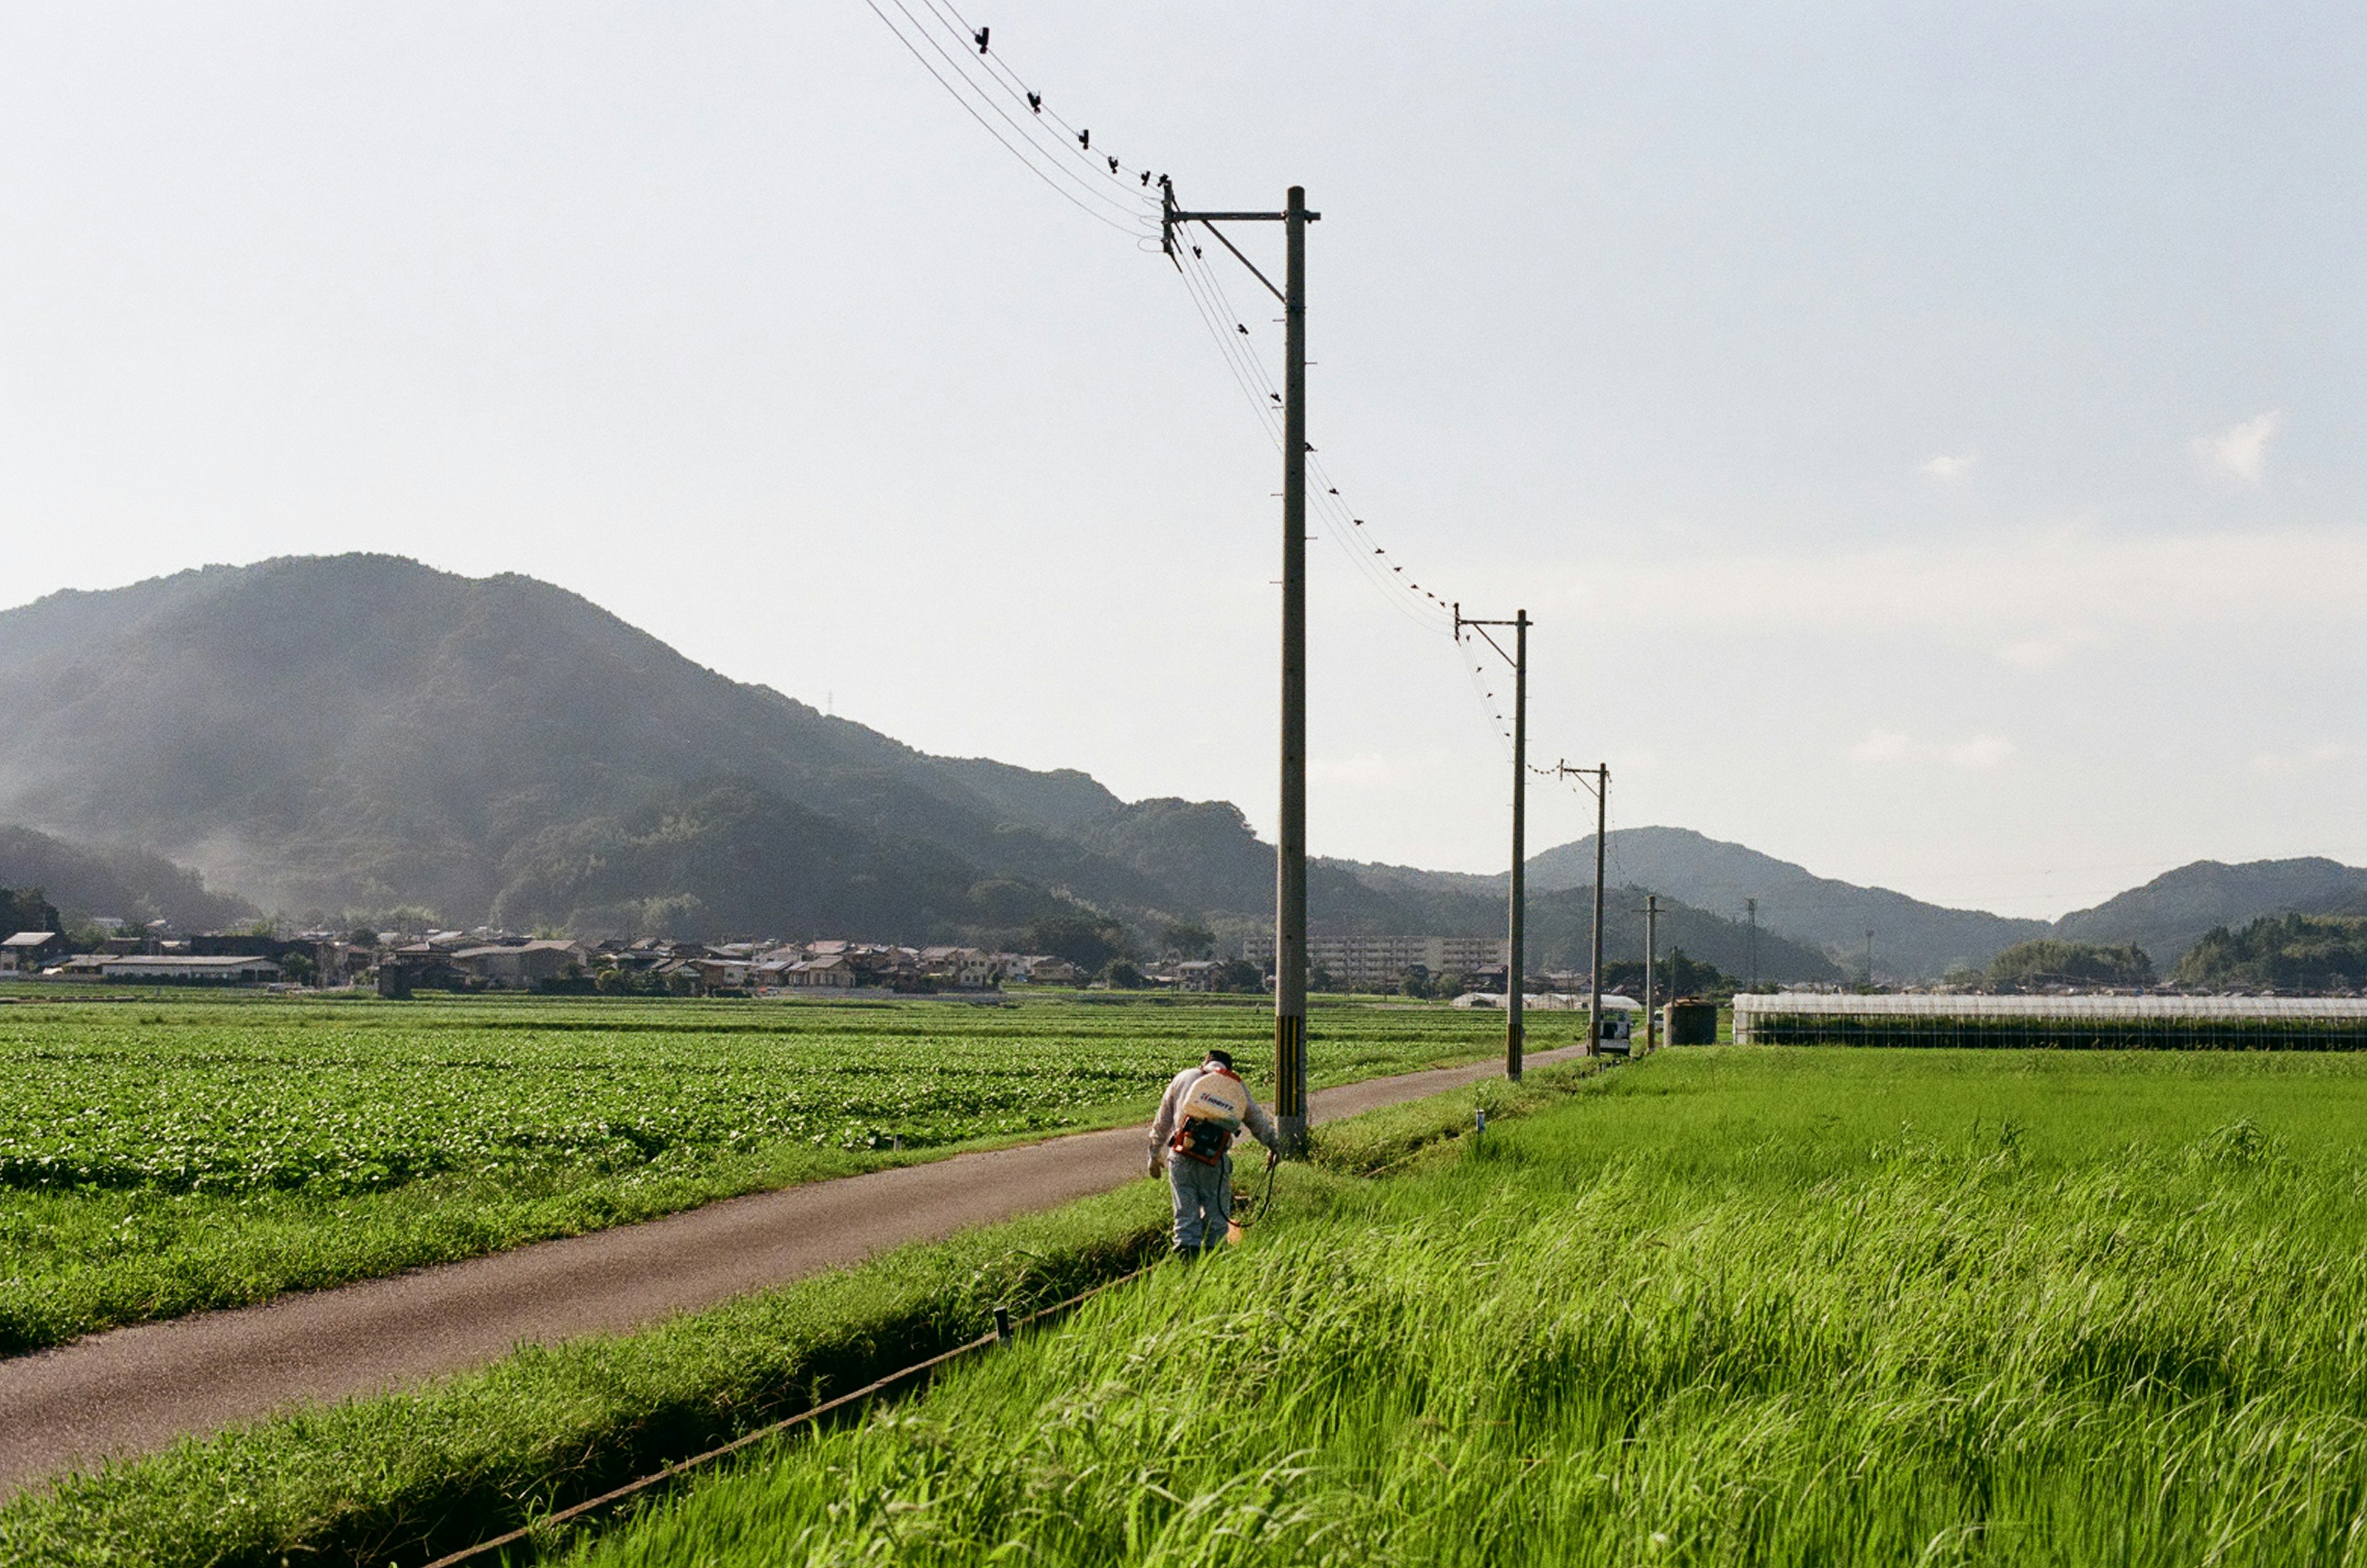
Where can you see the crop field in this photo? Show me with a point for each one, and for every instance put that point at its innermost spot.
(156, 1159)
(1732, 1305)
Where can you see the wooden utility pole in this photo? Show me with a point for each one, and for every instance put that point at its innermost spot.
(1602, 787)
(1290, 830)
(1516, 964)
(1651, 955)
(1594, 982)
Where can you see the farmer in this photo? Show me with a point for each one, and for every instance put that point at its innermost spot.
(1203, 1112)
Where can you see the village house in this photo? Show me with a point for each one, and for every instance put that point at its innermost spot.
(28, 953)
(519, 966)
(830, 972)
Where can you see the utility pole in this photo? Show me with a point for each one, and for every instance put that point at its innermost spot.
(1869, 958)
(1750, 908)
(1651, 954)
(1602, 787)
(1290, 830)
(1515, 965)
(1594, 978)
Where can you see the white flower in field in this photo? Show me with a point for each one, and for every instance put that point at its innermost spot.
(1659, 1539)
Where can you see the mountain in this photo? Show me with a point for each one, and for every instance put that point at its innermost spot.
(2175, 910)
(364, 734)
(1561, 928)
(127, 884)
(1913, 940)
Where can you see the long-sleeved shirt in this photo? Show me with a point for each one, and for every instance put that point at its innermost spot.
(1171, 1106)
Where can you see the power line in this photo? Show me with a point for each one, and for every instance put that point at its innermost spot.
(1018, 149)
(1077, 137)
(964, 63)
(1089, 179)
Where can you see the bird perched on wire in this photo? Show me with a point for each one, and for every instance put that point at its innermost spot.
(980, 36)
(1085, 139)
(1036, 102)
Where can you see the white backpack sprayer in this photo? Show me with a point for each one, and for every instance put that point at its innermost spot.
(1207, 1123)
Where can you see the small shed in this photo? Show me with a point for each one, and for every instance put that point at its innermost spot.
(1689, 1020)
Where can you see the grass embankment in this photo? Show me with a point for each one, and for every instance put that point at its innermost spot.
(397, 1479)
(156, 1160)
(1740, 1306)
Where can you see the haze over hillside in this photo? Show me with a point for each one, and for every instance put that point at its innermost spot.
(362, 734)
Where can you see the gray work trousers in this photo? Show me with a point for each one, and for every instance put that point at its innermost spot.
(1204, 1202)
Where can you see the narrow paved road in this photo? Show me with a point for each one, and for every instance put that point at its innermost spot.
(135, 1390)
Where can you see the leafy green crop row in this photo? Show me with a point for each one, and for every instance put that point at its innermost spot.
(155, 1160)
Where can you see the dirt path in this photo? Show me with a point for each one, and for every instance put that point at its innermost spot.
(135, 1390)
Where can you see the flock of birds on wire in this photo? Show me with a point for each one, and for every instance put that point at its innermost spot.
(1130, 199)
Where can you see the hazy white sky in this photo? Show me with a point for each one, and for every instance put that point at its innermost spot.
(1929, 438)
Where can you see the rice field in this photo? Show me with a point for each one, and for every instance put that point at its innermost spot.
(1735, 1305)
(160, 1159)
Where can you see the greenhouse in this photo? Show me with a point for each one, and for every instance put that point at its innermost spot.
(2076, 1023)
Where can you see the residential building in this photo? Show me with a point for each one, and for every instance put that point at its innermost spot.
(519, 966)
(831, 971)
(1384, 961)
(28, 953)
(234, 969)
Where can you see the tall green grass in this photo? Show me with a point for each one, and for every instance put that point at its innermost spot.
(402, 1478)
(1797, 1307)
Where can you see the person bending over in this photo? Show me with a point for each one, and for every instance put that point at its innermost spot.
(1204, 1111)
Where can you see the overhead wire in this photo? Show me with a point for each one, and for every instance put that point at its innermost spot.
(1132, 221)
(1038, 106)
(1346, 530)
(983, 81)
(1134, 203)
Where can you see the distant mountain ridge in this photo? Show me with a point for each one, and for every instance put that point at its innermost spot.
(2175, 910)
(1912, 939)
(364, 733)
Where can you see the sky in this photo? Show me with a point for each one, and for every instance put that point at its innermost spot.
(1931, 439)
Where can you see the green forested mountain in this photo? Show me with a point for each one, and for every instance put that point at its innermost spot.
(2049, 961)
(362, 733)
(128, 885)
(2173, 912)
(2282, 952)
(356, 734)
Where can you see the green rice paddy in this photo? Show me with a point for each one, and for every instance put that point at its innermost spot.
(1799, 1306)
